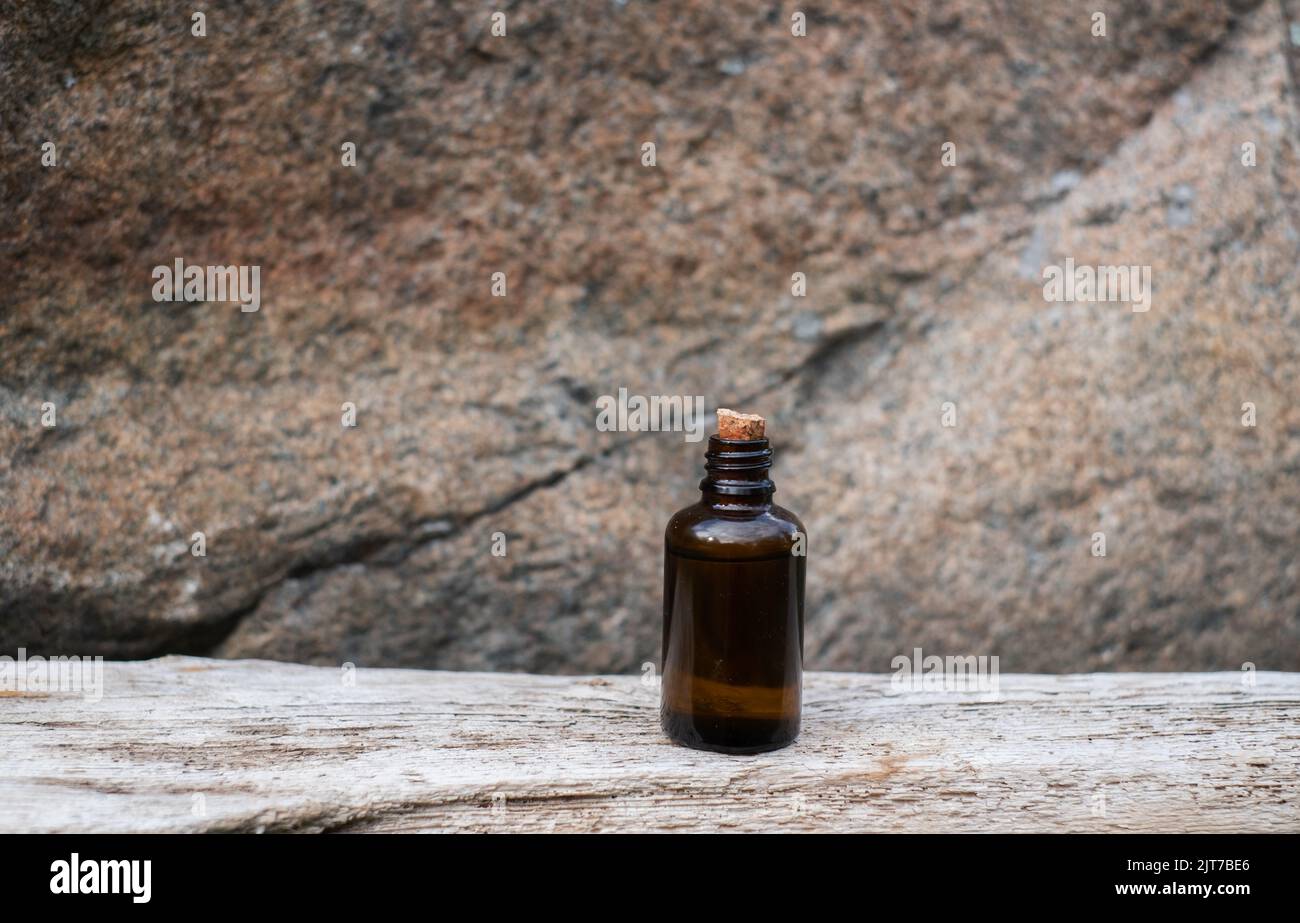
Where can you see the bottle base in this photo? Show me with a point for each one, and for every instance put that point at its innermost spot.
(733, 736)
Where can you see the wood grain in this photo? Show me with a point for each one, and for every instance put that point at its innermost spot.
(189, 744)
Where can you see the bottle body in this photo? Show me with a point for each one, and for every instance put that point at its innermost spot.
(734, 573)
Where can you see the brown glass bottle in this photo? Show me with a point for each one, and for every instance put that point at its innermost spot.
(733, 609)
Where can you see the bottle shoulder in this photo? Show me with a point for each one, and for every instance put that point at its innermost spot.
(785, 515)
(702, 529)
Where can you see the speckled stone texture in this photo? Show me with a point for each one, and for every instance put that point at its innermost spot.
(476, 414)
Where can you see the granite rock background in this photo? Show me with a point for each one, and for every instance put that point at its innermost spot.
(776, 154)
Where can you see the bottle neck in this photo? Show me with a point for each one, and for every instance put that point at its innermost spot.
(736, 474)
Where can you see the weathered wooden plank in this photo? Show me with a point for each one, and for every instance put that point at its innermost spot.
(195, 744)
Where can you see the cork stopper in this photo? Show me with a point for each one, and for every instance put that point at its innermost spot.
(739, 426)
